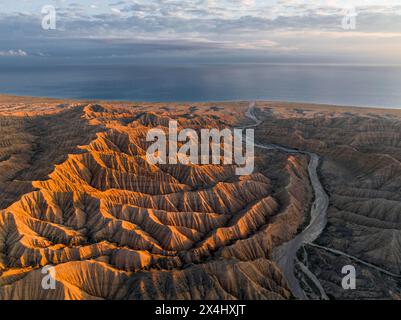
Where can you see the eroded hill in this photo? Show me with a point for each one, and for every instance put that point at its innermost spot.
(77, 193)
(361, 171)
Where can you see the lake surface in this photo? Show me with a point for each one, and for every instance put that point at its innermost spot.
(332, 84)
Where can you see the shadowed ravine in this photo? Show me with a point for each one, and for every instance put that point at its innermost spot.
(285, 255)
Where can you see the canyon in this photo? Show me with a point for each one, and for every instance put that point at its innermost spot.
(77, 193)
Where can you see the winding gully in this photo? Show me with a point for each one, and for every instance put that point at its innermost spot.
(286, 255)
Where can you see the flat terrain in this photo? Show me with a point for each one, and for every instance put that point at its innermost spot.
(76, 192)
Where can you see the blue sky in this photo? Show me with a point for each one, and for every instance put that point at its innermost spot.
(215, 30)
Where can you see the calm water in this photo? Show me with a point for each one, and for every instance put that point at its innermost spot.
(344, 85)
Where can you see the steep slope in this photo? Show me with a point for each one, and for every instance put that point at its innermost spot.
(362, 173)
(116, 227)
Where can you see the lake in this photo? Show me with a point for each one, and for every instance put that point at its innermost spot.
(332, 84)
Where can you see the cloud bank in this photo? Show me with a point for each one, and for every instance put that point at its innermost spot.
(13, 53)
(200, 28)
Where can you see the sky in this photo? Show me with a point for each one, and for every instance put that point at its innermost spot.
(315, 31)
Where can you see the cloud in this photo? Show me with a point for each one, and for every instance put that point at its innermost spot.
(134, 27)
(116, 11)
(13, 53)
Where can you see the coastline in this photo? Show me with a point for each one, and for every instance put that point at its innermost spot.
(11, 98)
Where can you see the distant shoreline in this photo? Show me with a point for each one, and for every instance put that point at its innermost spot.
(10, 98)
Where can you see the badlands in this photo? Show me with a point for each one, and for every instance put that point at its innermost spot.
(77, 193)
